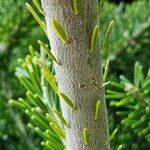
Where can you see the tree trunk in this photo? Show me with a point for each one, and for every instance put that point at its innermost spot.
(80, 74)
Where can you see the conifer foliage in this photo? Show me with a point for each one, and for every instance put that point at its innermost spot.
(128, 100)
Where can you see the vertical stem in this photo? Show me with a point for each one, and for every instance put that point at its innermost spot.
(80, 75)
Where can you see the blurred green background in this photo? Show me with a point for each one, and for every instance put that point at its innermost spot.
(129, 42)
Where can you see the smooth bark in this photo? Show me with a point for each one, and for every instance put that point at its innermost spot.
(80, 75)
